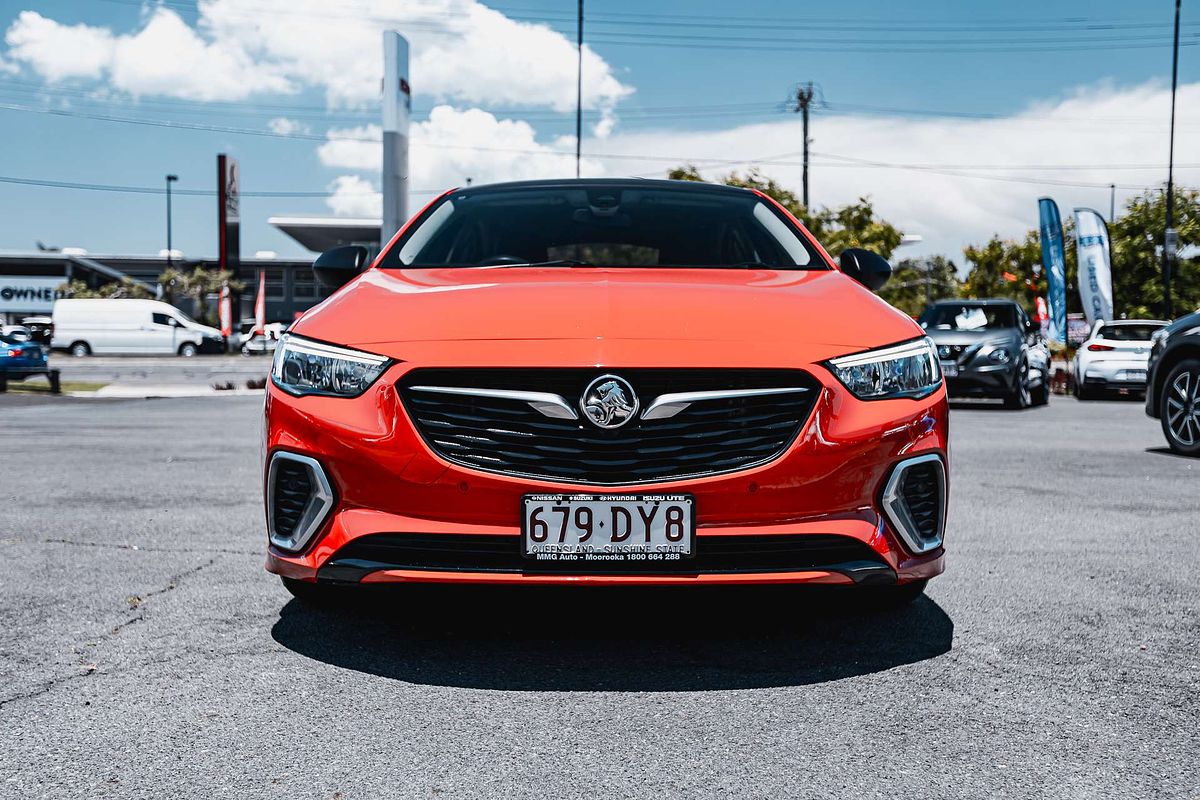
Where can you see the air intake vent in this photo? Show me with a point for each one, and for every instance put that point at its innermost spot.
(299, 499)
(914, 502)
(293, 490)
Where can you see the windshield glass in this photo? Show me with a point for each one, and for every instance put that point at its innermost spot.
(602, 225)
(968, 317)
(1127, 333)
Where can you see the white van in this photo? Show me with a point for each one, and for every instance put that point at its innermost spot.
(141, 327)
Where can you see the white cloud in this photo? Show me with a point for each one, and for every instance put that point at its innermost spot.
(454, 145)
(166, 57)
(58, 52)
(461, 51)
(1102, 128)
(285, 127)
(354, 196)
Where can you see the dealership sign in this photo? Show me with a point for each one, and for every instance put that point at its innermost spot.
(29, 294)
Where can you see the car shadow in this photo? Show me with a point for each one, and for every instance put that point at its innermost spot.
(597, 639)
(1166, 451)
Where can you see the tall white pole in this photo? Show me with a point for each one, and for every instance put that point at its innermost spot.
(397, 107)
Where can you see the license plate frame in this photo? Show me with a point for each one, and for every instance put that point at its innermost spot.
(658, 551)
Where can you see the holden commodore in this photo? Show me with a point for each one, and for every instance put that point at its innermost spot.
(605, 382)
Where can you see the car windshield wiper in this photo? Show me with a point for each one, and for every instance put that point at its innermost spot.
(558, 262)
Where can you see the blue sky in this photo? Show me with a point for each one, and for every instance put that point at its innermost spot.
(953, 85)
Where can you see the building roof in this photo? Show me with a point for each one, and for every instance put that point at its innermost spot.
(319, 234)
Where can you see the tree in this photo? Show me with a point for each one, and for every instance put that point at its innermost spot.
(854, 225)
(1137, 237)
(1001, 268)
(124, 288)
(917, 282)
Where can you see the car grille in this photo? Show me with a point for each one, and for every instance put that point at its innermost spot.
(293, 488)
(501, 553)
(510, 437)
(921, 490)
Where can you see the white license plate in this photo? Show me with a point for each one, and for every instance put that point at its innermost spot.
(950, 369)
(1135, 374)
(599, 529)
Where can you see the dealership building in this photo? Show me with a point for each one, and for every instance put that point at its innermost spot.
(30, 281)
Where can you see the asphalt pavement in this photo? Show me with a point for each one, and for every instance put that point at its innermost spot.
(145, 653)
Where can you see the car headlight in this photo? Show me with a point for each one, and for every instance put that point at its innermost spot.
(303, 366)
(1000, 355)
(903, 370)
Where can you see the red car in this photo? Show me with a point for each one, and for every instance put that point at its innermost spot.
(605, 382)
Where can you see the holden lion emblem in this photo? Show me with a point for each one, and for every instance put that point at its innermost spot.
(609, 402)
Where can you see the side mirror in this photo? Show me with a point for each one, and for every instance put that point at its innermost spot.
(869, 269)
(335, 267)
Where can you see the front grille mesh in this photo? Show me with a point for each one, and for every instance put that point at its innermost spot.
(501, 553)
(510, 437)
(921, 490)
(293, 489)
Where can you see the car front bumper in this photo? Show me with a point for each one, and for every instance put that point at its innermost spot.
(390, 490)
(992, 380)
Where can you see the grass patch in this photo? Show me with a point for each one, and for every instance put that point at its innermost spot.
(40, 385)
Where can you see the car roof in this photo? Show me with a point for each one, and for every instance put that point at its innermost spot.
(603, 183)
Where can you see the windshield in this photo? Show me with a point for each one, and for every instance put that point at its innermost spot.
(1127, 333)
(968, 317)
(601, 225)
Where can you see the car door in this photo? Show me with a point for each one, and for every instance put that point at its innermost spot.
(159, 335)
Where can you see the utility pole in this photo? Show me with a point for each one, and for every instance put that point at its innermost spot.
(804, 99)
(170, 179)
(579, 95)
(1171, 236)
(1112, 203)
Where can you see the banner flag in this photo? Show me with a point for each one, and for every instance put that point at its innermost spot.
(260, 304)
(1055, 261)
(1095, 265)
(225, 312)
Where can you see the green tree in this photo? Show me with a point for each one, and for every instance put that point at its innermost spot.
(854, 225)
(1005, 268)
(916, 282)
(1137, 237)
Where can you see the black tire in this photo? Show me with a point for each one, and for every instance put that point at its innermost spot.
(188, 349)
(1019, 397)
(1085, 394)
(1179, 407)
(1040, 395)
(314, 594)
(80, 349)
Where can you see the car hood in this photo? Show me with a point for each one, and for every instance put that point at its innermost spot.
(764, 307)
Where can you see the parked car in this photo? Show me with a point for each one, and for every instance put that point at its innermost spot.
(1173, 383)
(264, 343)
(103, 327)
(605, 382)
(1114, 357)
(41, 329)
(21, 356)
(989, 348)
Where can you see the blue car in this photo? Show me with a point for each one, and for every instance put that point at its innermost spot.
(20, 357)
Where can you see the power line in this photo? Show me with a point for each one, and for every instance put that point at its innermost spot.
(107, 187)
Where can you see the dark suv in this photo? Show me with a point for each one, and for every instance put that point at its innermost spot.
(1173, 383)
(989, 348)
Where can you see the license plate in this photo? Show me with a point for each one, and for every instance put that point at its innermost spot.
(1135, 374)
(950, 369)
(599, 529)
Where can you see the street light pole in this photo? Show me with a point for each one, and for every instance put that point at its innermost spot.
(579, 95)
(1171, 237)
(170, 179)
